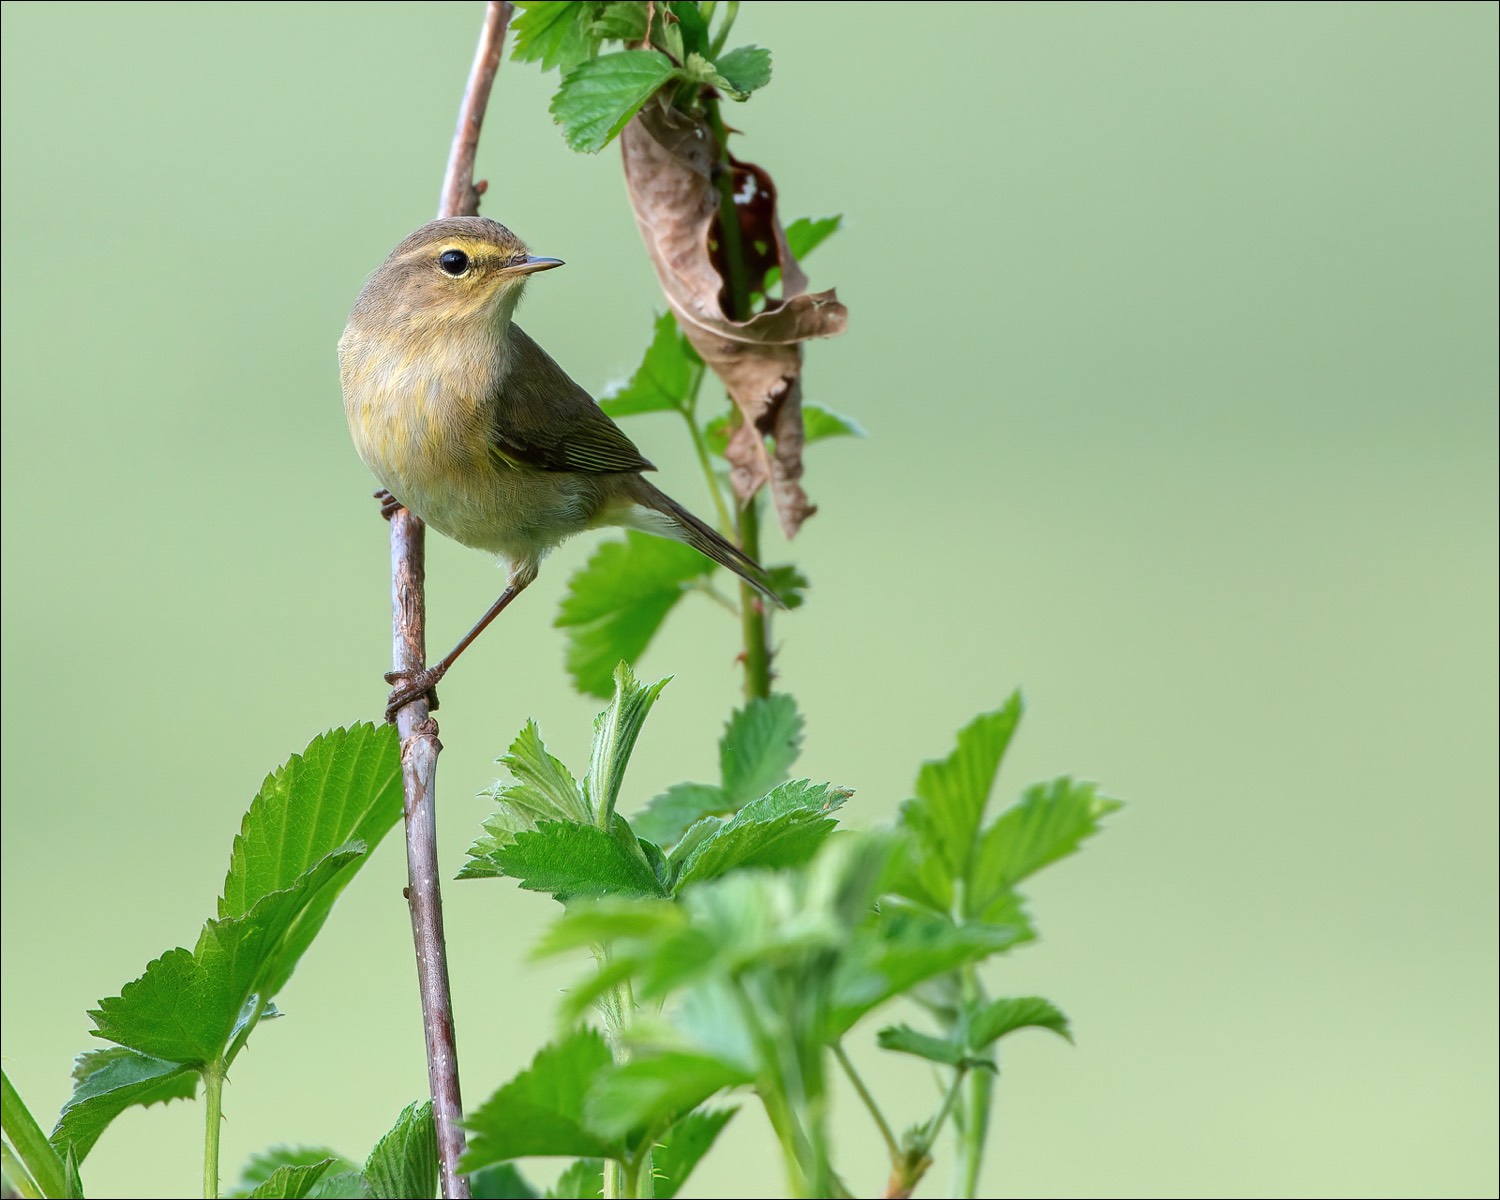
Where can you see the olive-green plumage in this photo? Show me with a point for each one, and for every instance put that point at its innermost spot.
(472, 425)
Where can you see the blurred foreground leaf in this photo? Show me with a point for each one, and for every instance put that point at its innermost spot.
(617, 601)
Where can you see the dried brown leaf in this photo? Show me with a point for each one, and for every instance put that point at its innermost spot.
(670, 163)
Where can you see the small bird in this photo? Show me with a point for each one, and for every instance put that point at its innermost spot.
(472, 426)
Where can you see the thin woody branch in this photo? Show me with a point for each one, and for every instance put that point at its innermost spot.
(460, 196)
(419, 741)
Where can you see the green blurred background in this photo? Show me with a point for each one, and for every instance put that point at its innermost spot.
(1174, 329)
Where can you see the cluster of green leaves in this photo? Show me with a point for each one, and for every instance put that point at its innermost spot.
(553, 834)
(618, 600)
(673, 45)
(403, 1163)
(756, 938)
(957, 870)
(561, 1106)
(308, 830)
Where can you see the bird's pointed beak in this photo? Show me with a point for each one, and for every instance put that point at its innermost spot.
(533, 264)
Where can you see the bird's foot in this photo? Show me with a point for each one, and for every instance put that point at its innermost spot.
(389, 505)
(409, 685)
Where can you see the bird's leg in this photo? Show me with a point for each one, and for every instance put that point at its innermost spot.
(389, 505)
(408, 685)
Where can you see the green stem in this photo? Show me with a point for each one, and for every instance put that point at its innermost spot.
(773, 1091)
(942, 1114)
(757, 633)
(16, 1172)
(731, 10)
(713, 593)
(976, 1125)
(640, 1177)
(700, 446)
(28, 1146)
(973, 1120)
(732, 245)
(623, 1180)
(869, 1101)
(213, 1103)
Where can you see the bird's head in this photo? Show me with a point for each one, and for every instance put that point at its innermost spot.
(453, 272)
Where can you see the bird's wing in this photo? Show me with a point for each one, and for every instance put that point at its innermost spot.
(544, 420)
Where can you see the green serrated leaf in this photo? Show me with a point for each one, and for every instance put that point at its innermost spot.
(573, 861)
(187, 1005)
(106, 1083)
(619, 599)
(622, 20)
(501, 1181)
(667, 36)
(615, 733)
(265, 1164)
(999, 1017)
(543, 789)
(943, 823)
(582, 1180)
(73, 1182)
(909, 1041)
(1048, 824)
(669, 814)
(661, 958)
(788, 582)
(701, 69)
(598, 98)
(749, 917)
(340, 1185)
(292, 1182)
(500, 829)
(346, 785)
(540, 1111)
(344, 788)
(717, 432)
(782, 829)
(555, 33)
(759, 744)
(690, 22)
(664, 380)
(607, 921)
(744, 70)
(919, 873)
(1007, 908)
(34, 1152)
(683, 1146)
(404, 1162)
(955, 790)
(901, 950)
(649, 1091)
(806, 234)
(819, 423)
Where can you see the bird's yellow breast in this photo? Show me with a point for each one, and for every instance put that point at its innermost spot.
(420, 411)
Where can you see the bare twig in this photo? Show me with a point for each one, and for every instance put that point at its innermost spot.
(419, 742)
(460, 196)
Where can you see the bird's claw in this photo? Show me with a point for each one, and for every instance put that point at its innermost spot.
(408, 686)
(389, 505)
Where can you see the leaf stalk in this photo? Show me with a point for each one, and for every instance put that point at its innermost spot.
(213, 1118)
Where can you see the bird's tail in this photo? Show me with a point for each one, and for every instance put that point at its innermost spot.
(684, 527)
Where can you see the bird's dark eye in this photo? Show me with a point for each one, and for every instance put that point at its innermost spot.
(453, 262)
